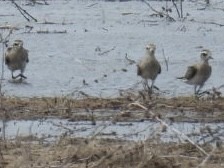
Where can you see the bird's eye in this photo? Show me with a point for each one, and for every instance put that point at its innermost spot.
(204, 54)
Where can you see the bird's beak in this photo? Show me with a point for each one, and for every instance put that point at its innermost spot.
(210, 57)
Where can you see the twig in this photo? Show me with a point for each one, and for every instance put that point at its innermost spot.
(62, 126)
(204, 22)
(130, 60)
(166, 60)
(219, 9)
(207, 158)
(181, 156)
(175, 5)
(181, 8)
(173, 129)
(4, 42)
(33, 2)
(52, 32)
(56, 23)
(91, 5)
(23, 12)
(157, 12)
(96, 133)
(138, 132)
(9, 27)
(107, 51)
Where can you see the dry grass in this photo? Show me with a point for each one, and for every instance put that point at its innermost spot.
(101, 153)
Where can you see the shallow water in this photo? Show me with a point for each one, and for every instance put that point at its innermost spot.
(99, 35)
(52, 129)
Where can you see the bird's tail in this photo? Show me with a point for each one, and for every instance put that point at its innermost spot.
(182, 77)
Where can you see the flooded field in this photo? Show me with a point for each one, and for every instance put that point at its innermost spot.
(98, 132)
(83, 105)
(90, 39)
(50, 130)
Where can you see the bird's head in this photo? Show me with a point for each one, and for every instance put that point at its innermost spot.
(18, 44)
(151, 48)
(206, 55)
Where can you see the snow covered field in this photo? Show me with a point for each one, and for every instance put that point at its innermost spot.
(98, 36)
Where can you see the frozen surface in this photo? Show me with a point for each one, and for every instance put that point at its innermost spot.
(60, 62)
(53, 129)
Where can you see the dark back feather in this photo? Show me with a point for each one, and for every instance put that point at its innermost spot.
(139, 72)
(7, 60)
(191, 71)
(159, 72)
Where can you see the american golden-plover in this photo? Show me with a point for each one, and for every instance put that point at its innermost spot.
(198, 74)
(16, 58)
(149, 67)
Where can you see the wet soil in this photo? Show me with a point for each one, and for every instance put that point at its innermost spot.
(204, 109)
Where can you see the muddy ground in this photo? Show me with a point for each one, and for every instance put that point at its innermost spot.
(95, 152)
(207, 108)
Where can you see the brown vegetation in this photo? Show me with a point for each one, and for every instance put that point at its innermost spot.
(101, 153)
(86, 108)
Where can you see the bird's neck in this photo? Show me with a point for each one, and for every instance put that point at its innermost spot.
(204, 61)
(150, 55)
(17, 48)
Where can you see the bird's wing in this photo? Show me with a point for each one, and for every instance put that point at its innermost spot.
(159, 69)
(140, 66)
(7, 53)
(27, 57)
(7, 60)
(139, 71)
(190, 73)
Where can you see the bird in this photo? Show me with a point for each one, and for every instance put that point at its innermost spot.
(149, 67)
(16, 58)
(199, 73)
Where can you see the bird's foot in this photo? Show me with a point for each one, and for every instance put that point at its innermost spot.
(22, 76)
(203, 93)
(20, 80)
(15, 77)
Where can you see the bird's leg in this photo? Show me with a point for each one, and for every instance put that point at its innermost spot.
(22, 76)
(199, 89)
(146, 87)
(195, 89)
(14, 77)
(152, 85)
(149, 89)
(204, 92)
(145, 84)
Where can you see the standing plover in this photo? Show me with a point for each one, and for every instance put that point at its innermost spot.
(149, 67)
(198, 74)
(16, 58)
